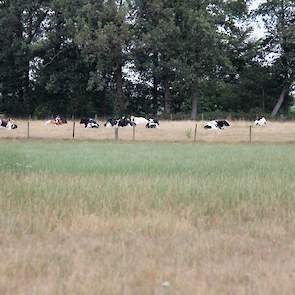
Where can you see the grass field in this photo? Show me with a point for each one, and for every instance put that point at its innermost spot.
(146, 218)
(169, 131)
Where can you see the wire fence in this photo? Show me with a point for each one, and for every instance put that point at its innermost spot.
(169, 131)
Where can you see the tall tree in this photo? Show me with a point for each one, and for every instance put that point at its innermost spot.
(198, 21)
(103, 34)
(22, 24)
(279, 19)
(156, 46)
(61, 73)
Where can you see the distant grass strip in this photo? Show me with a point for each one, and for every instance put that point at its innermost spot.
(66, 178)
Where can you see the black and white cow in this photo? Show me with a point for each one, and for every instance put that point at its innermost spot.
(216, 124)
(139, 120)
(152, 123)
(62, 119)
(7, 123)
(89, 123)
(261, 121)
(111, 123)
(123, 122)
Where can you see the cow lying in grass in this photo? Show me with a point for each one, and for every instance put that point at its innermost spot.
(123, 122)
(89, 123)
(152, 123)
(133, 121)
(111, 123)
(261, 121)
(216, 124)
(8, 124)
(139, 120)
(59, 120)
(149, 123)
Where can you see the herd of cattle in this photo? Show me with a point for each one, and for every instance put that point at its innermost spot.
(122, 122)
(126, 122)
(220, 124)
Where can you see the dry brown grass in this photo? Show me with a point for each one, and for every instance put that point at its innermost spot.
(104, 218)
(94, 255)
(169, 131)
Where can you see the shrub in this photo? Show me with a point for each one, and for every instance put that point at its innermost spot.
(188, 132)
(292, 110)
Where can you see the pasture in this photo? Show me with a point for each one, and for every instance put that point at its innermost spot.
(146, 218)
(169, 131)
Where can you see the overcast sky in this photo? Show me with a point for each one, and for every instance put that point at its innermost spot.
(259, 30)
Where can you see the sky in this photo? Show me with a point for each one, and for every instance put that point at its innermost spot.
(259, 30)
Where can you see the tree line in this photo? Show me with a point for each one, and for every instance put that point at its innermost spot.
(146, 57)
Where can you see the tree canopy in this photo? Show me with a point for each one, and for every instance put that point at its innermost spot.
(145, 57)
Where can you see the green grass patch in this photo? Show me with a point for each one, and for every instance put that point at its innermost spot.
(54, 181)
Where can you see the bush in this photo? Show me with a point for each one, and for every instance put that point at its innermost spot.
(188, 132)
(292, 111)
(42, 111)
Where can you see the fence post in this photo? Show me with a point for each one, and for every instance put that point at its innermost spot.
(195, 135)
(28, 130)
(74, 129)
(73, 134)
(250, 134)
(116, 133)
(133, 135)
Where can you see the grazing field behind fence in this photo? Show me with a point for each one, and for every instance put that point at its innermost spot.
(146, 218)
(169, 131)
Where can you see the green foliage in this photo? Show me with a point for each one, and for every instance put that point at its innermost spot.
(42, 111)
(278, 16)
(142, 57)
(292, 110)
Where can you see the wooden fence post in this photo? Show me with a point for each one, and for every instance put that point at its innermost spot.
(73, 134)
(250, 134)
(133, 134)
(116, 133)
(195, 135)
(74, 129)
(28, 130)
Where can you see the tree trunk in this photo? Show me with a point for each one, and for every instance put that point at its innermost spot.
(167, 97)
(26, 89)
(263, 100)
(280, 101)
(194, 101)
(155, 94)
(119, 101)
